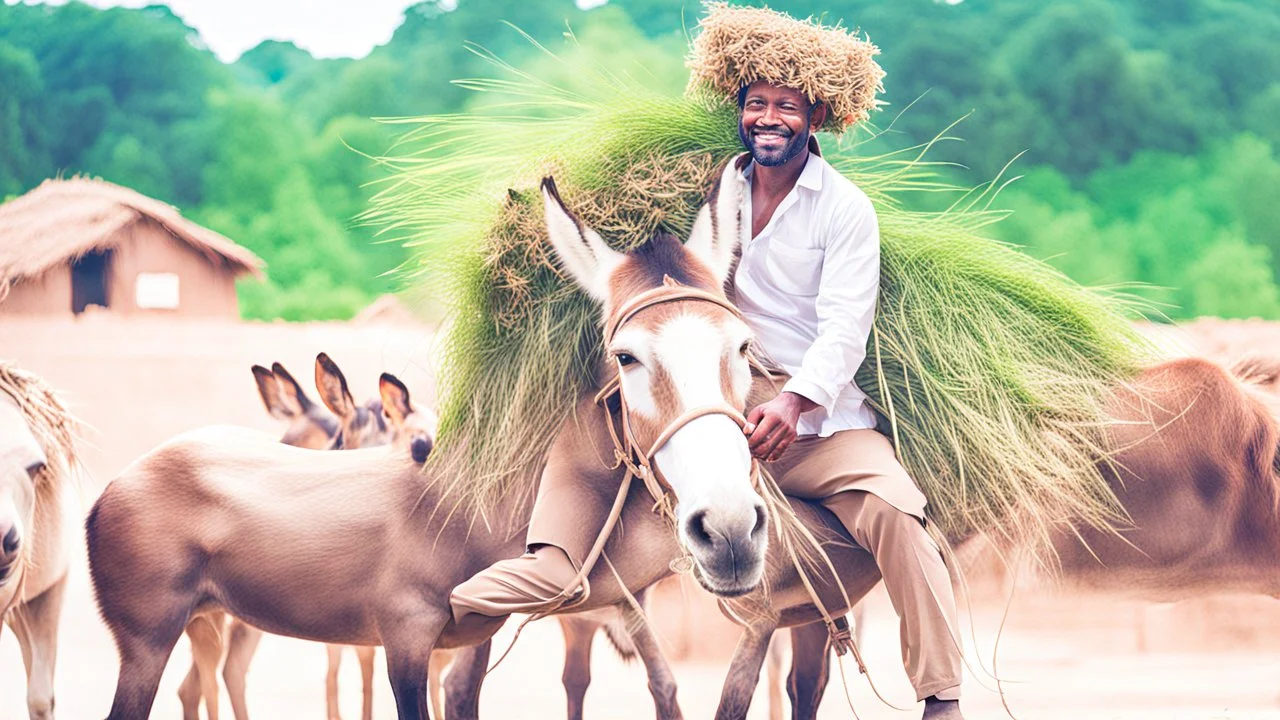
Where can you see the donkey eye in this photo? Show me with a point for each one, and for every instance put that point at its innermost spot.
(625, 359)
(745, 347)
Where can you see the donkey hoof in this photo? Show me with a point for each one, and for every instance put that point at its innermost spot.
(935, 709)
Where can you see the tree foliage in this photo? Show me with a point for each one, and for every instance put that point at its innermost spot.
(1149, 128)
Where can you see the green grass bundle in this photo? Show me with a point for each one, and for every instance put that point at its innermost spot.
(990, 369)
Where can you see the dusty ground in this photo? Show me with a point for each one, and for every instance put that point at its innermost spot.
(1061, 655)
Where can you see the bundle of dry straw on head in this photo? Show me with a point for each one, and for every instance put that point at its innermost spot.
(736, 46)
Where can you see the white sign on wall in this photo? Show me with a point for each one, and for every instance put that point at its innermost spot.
(157, 291)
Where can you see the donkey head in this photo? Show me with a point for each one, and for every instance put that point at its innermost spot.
(21, 462)
(358, 426)
(310, 425)
(679, 357)
(413, 428)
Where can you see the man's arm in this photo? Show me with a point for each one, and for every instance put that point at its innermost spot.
(847, 292)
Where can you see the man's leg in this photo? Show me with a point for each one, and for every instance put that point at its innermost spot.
(919, 587)
(575, 493)
(519, 585)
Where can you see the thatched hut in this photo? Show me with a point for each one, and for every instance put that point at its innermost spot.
(71, 244)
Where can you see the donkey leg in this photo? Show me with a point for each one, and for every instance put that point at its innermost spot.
(35, 622)
(441, 660)
(662, 681)
(810, 669)
(578, 634)
(331, 682)
(365, 654)
(409, 641)
(462, 684)
(242, 642)
(773, 676)
(189, 692)
(206, 652)
(142, 661)
(744, 672)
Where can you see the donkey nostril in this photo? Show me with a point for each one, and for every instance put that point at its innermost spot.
(696, 528)
(421, 448)
(11, 541)
(762, 520)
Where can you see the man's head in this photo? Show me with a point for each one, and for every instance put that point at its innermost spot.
(737, 46)
(775, 122)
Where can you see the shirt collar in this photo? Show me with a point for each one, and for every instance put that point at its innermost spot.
(810, 177)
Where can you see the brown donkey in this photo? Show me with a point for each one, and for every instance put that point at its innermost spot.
(366, 547)
(310, 426)
(412, 430)
(37, 461)
(1195, 468)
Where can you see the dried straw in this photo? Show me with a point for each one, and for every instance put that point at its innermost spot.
(736, 46)
(52, 425)
(990, 370)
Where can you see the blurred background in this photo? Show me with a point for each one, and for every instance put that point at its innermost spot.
(1145, 133)
(1148, 127)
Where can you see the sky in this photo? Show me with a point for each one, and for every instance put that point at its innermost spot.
(325, 28)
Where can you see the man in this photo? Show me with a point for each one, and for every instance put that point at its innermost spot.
(807, 282)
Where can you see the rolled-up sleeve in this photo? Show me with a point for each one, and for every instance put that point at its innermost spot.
(846, 305)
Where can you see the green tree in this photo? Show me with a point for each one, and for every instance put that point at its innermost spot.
(1232, 279)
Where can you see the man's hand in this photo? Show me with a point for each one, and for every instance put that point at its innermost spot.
(771, 427)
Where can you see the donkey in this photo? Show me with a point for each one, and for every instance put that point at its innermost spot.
(366, 547)
(411, 429)
(1193, 446)
(37, 460)
(310, 426)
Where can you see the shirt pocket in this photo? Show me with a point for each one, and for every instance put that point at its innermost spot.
(793, 270)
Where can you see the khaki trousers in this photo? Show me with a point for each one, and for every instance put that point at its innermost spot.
(856, 475)
(575, 492)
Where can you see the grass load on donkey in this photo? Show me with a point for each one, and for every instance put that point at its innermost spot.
(989, 369)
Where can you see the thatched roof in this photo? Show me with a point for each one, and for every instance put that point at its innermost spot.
(62, 220)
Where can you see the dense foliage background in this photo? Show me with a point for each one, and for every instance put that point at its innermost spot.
(1150, 127)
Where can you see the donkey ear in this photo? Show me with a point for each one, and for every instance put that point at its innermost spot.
(291, 393)
(269, 391)
(333, 388)
(395, 399)
(582, 252)
(718, 228)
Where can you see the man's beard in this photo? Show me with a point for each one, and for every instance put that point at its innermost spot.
(796, 143)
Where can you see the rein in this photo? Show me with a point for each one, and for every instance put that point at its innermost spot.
(640, 464)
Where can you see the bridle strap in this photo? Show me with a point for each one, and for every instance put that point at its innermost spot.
(668, 292)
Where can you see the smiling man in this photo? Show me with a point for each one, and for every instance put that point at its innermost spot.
(807, 282)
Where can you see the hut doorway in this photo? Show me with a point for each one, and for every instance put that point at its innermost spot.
(89, 280)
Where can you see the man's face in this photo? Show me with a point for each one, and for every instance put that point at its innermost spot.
(776, 123)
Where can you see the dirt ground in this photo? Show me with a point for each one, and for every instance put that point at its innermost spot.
(1061, 654)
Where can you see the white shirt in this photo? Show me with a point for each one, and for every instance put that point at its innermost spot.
(807, 285)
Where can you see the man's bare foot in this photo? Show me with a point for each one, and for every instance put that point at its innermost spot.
(935, 709)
